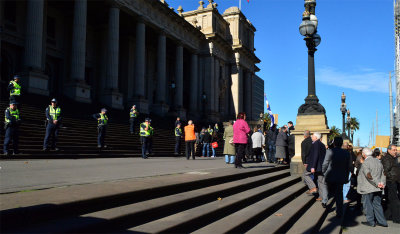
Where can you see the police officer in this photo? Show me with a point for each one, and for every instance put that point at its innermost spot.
(133, 114)
(102, 121)
(178, 136)
(145, 132)
(15, 90)
(12, 122)
(54, 117)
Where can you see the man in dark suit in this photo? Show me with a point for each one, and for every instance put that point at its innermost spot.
(305, 151)
(314, 165)
(336, 168)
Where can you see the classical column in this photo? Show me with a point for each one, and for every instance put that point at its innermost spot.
(140, 59)
(216, 85)
(194, 83)
(179, 76)
(34, 35)
(161, 68)
(78, 89)
(237, 88)
(248, 95)
(111, 95)
(79, 42)
(113, 49)
(209, 84)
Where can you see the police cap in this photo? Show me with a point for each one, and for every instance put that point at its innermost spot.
(54, 100)
(103, 110)
(17, 77)
(13, 103)
(147, 120)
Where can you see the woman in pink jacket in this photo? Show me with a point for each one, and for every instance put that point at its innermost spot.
(240, 134)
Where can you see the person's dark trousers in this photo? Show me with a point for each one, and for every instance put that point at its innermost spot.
(338, 191)
(132, 125)
(11, 134)
(145, 146)
(393, 211)
(240, 151)
(177, 144)
(373, 208)
(51, 131)
(272, 151)
(101, 135)
(189, 149)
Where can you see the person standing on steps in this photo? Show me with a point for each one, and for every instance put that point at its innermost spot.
(14, 87)
(240, 135)
(12, 122)
(190, 138)
(102, 122)
(54, 118)
(229, 148)
(178, 136)
(133, 114)
(145, 131)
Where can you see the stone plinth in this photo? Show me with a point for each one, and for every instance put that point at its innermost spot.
(314, 123)
(35, 82)
(113, 99)
(79, 92)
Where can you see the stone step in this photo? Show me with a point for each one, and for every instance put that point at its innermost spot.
(283, 218)
(85, 200)
(312, 219)
(195, 218)
(246, 218)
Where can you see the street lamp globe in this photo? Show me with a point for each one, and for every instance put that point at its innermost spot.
(307, 28)
(314, 20)
(316, 39)
(343, 98)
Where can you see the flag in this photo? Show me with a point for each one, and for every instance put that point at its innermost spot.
(269, 110)
(248, 0)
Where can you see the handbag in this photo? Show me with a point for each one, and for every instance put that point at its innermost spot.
(214, 145)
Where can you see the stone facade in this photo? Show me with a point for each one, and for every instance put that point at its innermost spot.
(194, 64)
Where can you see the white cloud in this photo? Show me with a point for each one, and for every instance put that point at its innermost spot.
(364, 80)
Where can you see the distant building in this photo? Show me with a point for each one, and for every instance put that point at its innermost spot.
(258, 97)
(119, 52)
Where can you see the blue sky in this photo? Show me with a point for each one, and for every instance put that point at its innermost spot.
(355, 56)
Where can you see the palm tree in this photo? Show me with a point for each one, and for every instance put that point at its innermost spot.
(334, 133)
(353, 125)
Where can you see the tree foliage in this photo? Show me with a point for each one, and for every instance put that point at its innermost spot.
(333, 133)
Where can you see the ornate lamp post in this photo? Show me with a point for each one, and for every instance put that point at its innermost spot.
(348, 122)
(352, 132)
(308, 29)
(343, 110)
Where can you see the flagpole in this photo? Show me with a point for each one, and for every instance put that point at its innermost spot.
(240, 4)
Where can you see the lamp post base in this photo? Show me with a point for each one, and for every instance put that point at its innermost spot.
(311, 106)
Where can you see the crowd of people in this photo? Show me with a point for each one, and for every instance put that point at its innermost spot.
(363, 176)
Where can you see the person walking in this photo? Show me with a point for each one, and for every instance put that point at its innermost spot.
(12, 122)
(258, 141)
(14, 87)
(281, 145)
(54, 118)
(229, 148)
(291, 142)
(370, 183)
(190, 138)
(133, 114)
(391, 167)
(314, 165)
(102, 123)
(305, 151)
(336, 168)
(178, 136)
(145, 132)
(206, 140)
(240, 133)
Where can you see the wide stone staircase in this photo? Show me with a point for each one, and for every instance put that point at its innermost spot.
(78, 134)
(254, 200)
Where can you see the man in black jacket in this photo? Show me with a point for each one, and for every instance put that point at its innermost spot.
(336, 168)
(314, 163)
(305, 151)
(391, 168)
(291, 146)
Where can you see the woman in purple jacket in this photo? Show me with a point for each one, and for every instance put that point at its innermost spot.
(240, 134)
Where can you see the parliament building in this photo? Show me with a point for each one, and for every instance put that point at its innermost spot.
(121, 52)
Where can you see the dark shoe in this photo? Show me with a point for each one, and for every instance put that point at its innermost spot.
(381, 225)
(324, 205)
(45, 149)
(368, 224)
